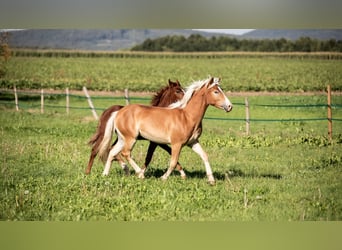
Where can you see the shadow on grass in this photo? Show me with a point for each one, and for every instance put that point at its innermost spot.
(200, 174)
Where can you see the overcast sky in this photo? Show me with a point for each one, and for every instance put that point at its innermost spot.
(228, 31)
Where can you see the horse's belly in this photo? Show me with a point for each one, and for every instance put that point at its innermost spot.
(155, 136)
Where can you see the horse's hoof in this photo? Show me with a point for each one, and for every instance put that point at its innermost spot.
(212, 183)
(183, 177)
(141, 175)
(127, 172)
(211, 180)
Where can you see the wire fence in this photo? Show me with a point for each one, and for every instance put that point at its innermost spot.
(13, 100)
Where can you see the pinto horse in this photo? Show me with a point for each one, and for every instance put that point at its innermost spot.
(178, 125)
(163, 98)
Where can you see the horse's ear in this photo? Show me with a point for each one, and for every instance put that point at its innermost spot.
(172, 84)
(211, 80)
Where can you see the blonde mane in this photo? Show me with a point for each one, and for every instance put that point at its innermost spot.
(190, 90)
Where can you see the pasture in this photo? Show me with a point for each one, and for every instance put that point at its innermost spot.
(283, 171)
(148, 74)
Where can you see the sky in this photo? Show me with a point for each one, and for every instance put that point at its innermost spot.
(228, 31)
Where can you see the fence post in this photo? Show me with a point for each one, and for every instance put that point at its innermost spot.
(329, 114)
(126, 96)
(42, 101)
(90, 103)
(67, 106)
(247, 116)
(16, 98)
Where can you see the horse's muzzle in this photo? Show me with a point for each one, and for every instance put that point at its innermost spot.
(228, 107)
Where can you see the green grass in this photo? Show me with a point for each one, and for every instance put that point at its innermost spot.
(141, 74)
(283, 171)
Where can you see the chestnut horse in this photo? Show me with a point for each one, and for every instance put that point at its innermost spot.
(178, 125)
(169, 94)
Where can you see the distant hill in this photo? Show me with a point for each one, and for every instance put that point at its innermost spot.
(294, 34)
(125, 39)
(91, 39)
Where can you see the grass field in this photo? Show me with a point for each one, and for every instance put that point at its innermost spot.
(283, 171)
(147, 74)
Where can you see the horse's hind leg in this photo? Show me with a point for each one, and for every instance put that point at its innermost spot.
(126, 152)
(120, 160)
(113, 153)
(91, 161)
(122, 164)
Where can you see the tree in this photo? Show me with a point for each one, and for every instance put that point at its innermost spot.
(303, 44)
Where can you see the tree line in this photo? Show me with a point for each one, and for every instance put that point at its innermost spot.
(198, 43)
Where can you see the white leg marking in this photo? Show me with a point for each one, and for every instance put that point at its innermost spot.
(199, 150)
(182, 173)
(113, 152)
(141, 175)
(136, 167)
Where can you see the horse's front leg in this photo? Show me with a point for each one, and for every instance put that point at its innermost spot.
(175, 150)
(199, 150)
(178, 166)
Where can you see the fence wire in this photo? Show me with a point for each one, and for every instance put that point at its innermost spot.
(38, 94)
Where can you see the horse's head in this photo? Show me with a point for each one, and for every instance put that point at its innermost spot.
(175, 91)
(215, 95)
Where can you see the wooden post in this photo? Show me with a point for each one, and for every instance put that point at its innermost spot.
(67, 106)
(247, 116)
(90, 103)
(42, 101)
(16, 98)
(245, 199)
(126, 96)
(329, 114)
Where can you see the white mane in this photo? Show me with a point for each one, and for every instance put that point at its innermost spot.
(190, 90)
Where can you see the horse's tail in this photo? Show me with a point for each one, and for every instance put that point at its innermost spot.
(105, 143)
(94, 140)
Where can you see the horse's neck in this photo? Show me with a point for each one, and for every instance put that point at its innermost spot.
(196, 108)
(166, 99)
